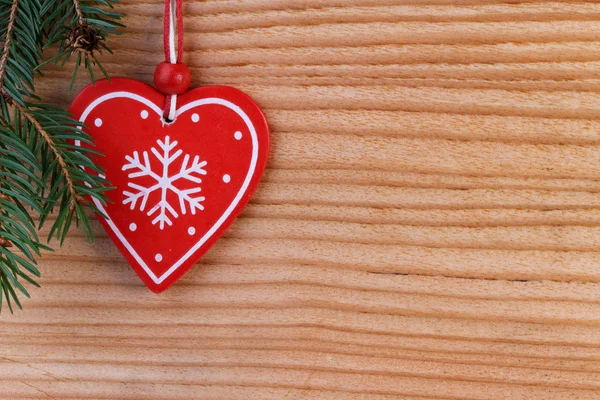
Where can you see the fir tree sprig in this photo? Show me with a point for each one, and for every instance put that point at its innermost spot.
(81, 28)
(42, 170)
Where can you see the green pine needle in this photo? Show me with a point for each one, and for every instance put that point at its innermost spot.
(40, 168)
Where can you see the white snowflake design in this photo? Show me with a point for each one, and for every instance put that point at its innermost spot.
(164, 182)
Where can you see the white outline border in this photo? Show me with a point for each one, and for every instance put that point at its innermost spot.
(228, 211)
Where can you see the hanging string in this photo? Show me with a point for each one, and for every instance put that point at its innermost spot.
(173, 16)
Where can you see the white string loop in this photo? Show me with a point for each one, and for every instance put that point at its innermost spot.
(172, 55)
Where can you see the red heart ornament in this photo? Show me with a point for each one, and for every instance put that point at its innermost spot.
(179, 185)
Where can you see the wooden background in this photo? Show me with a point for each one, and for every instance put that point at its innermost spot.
(428, 227)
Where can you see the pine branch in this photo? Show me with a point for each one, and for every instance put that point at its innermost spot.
(53, 147)
(81, 27)
(41, 168)
(19, 186)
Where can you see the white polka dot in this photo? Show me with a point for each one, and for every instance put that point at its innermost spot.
(98, 122)
(195, 117)
(237, 135)
(226, 178)
(158, 257)
(132, 227)
(144, 114)
(191, 230)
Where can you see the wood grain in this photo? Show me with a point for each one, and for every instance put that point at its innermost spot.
(428, 227)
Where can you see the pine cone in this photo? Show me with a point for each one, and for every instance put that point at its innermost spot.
(85, 39)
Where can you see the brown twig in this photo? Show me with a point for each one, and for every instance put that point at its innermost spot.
(8, 41)
(78, 12)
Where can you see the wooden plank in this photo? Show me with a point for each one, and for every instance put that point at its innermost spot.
(428, 226)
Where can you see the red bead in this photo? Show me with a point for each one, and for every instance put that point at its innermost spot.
(172, 78)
